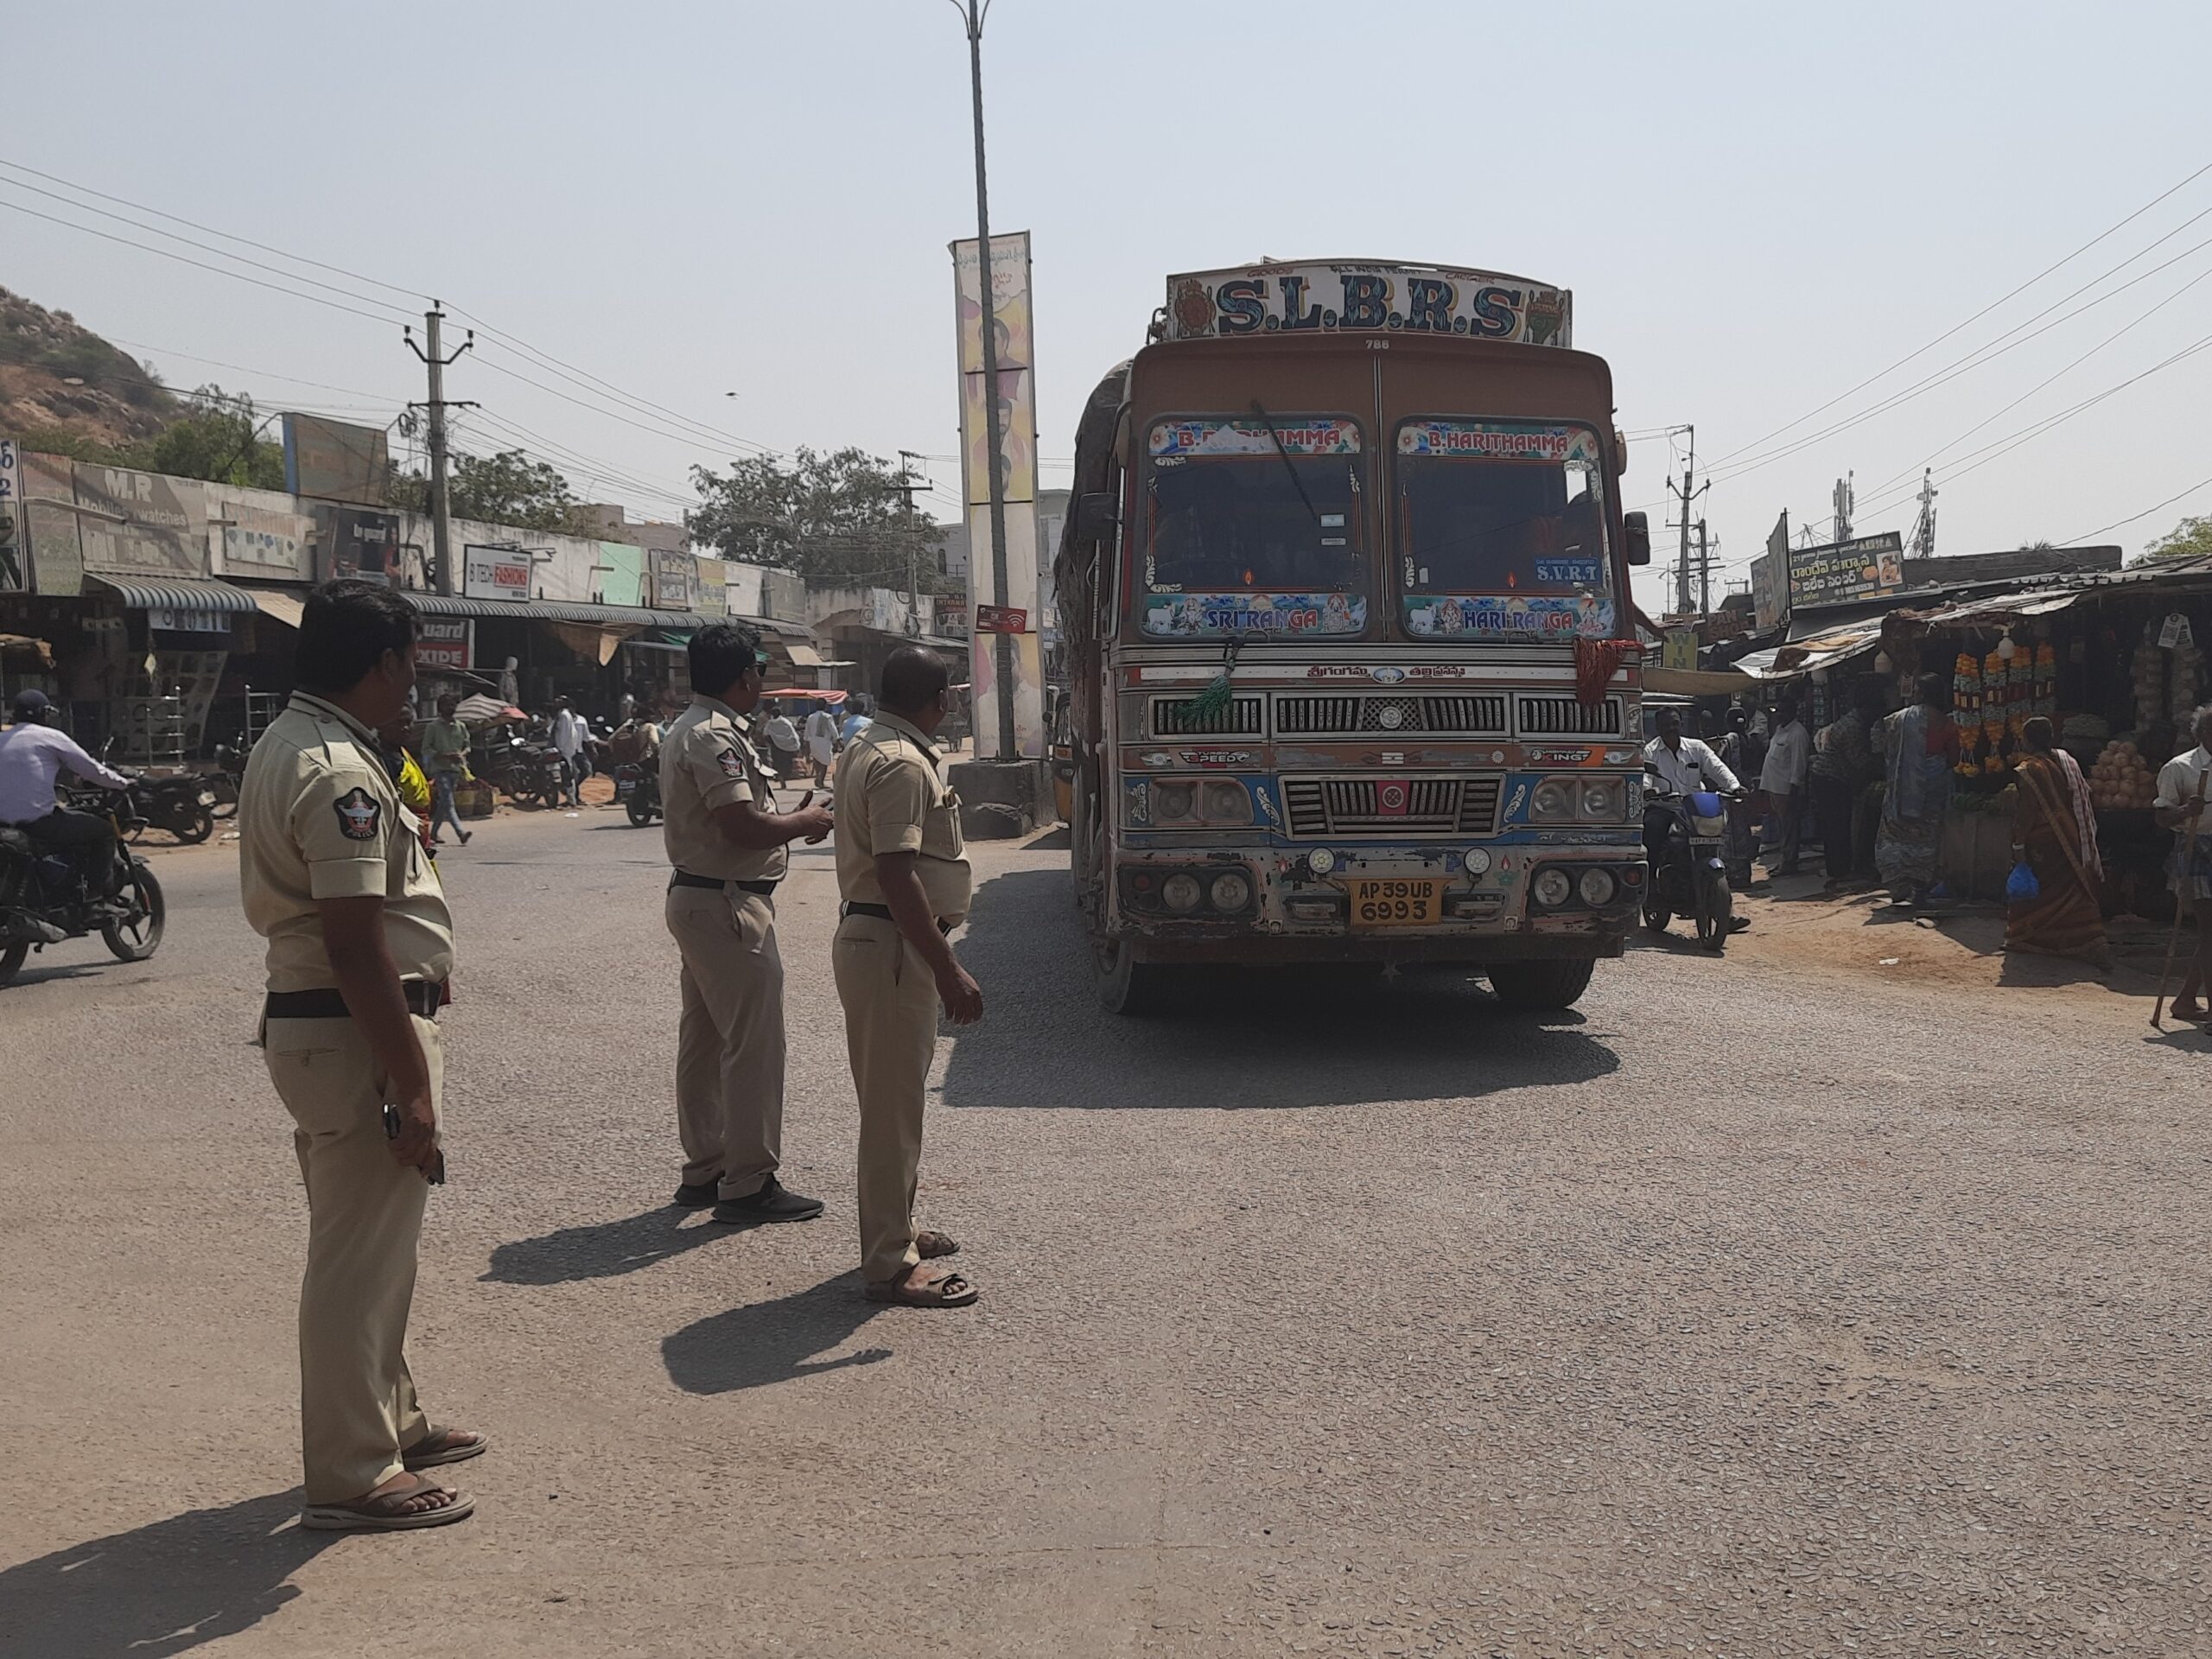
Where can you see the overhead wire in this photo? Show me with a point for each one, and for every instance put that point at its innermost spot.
(2074, 541)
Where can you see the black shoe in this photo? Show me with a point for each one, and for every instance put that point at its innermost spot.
(1738, 924)
(773, 1202)
(696, 1195)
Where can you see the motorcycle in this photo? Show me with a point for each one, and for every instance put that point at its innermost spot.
(44, 899)
(225, 779)
(1689, 878)
(638, 787)
(530, 773)
(183, 804)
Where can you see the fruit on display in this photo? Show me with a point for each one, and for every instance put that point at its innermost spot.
(2122, 780)
(2046, 686)
(2188, 674)
(2149, 673)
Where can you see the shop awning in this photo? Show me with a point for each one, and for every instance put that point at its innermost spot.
(1697, 682)
(604, 616)
(176, 594)
(802, 655)
(282, 607)
(588, 641)
(1802, 656)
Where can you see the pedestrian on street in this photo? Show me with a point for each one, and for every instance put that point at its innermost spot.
(782, 741)
(855, 722)
(1788, 754)
(1735, 754)
(333, 874)
(1920, 745)
(821, 740)
(727, 843)
(569, 734)
(2181, 790)
(903, 874)
(1843, 764)
(445, 743)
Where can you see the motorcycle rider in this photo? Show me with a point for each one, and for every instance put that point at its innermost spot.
(1682, 765)
(32, 752)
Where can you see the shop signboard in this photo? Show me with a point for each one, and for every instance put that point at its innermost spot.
(357, 545)
(1000, 619)
(621, 574)
(259, 533)
(444, 643)
(1771, 577)
(183, 620)
(56, 563)
(1679, 651)
(673, 577)
(141, 524)
(713, 598)
(1294, 299)
(494, 572)
(952, 615)
(15, 546)
(1836, 573)
(333, 460)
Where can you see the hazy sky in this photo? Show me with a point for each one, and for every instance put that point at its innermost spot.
(1758, 206)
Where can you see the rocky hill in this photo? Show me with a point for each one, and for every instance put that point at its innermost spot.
(58, 377)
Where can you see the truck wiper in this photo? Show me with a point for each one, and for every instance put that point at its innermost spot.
(1289, 466)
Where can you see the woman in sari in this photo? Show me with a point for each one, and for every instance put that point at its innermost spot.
(1919, 747)
(2055, 831)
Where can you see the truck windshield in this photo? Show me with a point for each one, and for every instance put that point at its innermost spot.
(1252, 526)
(1502, 529)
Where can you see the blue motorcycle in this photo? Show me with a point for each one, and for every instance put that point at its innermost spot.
(1689, 870)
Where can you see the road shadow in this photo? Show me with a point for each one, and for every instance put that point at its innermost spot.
(1231, 1038)
(160, 1589)
(604, 1249)
(765, 1343)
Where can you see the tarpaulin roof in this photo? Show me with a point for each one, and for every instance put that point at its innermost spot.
(1802, 656)
(176, 594)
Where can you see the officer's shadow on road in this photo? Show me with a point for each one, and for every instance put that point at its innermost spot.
(1232, 1038)
(778, 1341)
(603, 1250)
(159, 1589)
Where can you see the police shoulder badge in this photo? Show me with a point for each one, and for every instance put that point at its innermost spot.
(358, 814)
(732, 766)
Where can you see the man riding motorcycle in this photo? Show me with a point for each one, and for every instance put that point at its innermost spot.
(1682, 765)
(32, 753)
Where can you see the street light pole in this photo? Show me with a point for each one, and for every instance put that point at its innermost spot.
(972, 15)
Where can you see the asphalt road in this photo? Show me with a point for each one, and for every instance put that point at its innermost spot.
(1742, 1311)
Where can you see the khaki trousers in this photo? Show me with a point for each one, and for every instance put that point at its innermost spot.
(729, 1048)
(364, 1213)
(891, 1009)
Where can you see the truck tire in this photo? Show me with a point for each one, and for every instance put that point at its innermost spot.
(1124, 984)
(1540, 984)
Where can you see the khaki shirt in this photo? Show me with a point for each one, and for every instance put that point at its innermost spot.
(707, 761)
(893, 798)
(319, 819)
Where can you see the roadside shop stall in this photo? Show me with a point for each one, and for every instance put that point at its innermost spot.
(2116, 662)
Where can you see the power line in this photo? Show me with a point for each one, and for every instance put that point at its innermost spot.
(2076, 541)
(1978, 315)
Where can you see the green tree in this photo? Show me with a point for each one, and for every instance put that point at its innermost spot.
(2190, 539)
(507, 488)
(220, 440)
(843, 516)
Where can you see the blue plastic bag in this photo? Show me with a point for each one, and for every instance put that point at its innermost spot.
(2021, 886)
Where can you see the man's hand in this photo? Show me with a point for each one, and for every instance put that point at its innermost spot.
(416, 1144)
(962, 996)
(813, 823)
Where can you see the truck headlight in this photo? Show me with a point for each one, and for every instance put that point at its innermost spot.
(1180, 894)
(1474, 860)
(1229, 892)
(1553, 802)
(1551, 889)
(1597, 888)
(1226, 803)
(1601, 800)
(1171, 801)
(1320, 860)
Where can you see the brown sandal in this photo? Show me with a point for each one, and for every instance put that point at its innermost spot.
(946, 1290)
(388, 1511)
(440, 1447)
(930, 1245)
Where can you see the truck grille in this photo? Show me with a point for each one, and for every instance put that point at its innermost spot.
(1565, 717)
(1320, 807)
(1173, 716)
(1478, 714)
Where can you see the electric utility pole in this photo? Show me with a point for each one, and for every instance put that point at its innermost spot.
(1704, 572)
(1002, 691)
(1923, 529)
(440, 518)
(1687, 497)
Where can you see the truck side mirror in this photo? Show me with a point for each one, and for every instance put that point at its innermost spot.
(1096, 519)
(1636, 529)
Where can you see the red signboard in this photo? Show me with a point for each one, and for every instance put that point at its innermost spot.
(1002, 619)
(443, 643)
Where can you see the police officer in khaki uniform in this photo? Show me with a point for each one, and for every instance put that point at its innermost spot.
(726, 842)
(333, 876)
(902, 871)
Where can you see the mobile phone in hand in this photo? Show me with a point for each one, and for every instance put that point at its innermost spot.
(436, 1175)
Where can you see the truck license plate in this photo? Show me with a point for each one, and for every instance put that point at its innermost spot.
(1396, 901)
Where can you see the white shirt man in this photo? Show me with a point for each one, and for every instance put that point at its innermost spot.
(821, 737)
(568, 729)
(31, 755)
(1789, 752)
(1692, 765)
(2179, 778)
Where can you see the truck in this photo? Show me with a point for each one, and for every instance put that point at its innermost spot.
(1353, 676)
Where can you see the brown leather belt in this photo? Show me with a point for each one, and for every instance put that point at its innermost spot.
(424, 997)
(685, 879)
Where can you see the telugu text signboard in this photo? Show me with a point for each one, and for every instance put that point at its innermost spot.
(1836, 573)
(674, 577)
(15, 546)
(141, 524)
(262, 534)
(494, 573)
(1327, 298)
